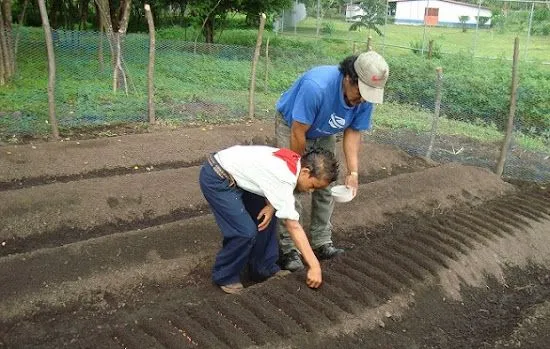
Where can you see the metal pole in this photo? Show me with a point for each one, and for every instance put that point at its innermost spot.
(529, 31)
(318, 16)
(283, 22)
(385, 26)
(477, 26)
(294, 15)
(424, 33)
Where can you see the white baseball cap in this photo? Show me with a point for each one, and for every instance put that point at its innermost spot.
(373, 72)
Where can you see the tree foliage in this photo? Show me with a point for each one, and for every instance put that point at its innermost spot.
(373, 17)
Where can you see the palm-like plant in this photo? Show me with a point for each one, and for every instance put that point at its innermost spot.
(373, 17)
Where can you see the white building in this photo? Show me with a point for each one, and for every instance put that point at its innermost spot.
(352, 10)
(435, 12)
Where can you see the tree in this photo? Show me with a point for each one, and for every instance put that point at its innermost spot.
(374, 16)
(210, 12)
(7, 55)
(482, 20)
(115, 23)
(463, 20)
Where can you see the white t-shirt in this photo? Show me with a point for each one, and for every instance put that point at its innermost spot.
(256, 169)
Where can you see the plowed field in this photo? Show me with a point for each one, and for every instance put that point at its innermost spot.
(108, 243)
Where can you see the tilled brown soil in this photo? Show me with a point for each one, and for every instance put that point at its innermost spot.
(108, 243)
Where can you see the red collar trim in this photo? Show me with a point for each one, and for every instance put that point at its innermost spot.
(291, 158)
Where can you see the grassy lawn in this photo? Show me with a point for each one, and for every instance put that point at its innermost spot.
(211, 86)
(489, 42)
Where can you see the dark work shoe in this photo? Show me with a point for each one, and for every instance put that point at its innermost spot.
(291, 261)
(327, 251)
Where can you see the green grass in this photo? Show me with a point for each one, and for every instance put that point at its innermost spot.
(489, 42)
(211, 86)
(397, 116)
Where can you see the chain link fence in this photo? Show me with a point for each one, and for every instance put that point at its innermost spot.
(197, 82)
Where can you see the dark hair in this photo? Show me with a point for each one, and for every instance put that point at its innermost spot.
(346, 68)
(322, 164)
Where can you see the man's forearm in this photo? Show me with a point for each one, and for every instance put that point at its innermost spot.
(299, 237)
(352, 143)
(298, 142)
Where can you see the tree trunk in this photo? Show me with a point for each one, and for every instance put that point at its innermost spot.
(21, 20)
(51, 68)
(209, 30)
(7, 55)
(119, 74)
(151, 66)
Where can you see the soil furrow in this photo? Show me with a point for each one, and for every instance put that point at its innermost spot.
(388, 266)
(511, 215)
(338, 296)
(530, 208)
(420, 258)
(378, 289)
(313, 298)
(359, 292)
(541, 197)
(308, 318)
(455, 225)
(520, 211)
(195, 332)
(465, 222)
(381, 276)
(424, 249)
(484, 236)
(104, 342)
(134, 338)
(443, 228)
(485, 224)
(495, 213)
(447, 247)
(165, 333)
(259, 332)
(489, 219)
(70, 234)
(414, 270)
(269, 314)
(28, 182)
(211, 319)
(535, 202)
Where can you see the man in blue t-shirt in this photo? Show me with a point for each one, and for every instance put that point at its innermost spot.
(324, 101)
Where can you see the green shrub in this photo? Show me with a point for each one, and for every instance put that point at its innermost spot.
(416, 48)
(328, 28)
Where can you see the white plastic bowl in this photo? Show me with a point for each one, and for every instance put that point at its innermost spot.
(341, 193)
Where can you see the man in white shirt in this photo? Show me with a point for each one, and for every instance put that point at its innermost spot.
(245, 187)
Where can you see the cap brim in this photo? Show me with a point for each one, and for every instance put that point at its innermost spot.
(371, 94)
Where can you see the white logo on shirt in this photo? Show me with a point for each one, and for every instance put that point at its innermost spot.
(336, 121)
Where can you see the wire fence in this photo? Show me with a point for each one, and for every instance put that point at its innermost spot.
(197, 82)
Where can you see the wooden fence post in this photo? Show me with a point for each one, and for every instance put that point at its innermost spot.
(254, 64)
(437, 109)
(267, 66)
(511, 114)
(430, 48)
(369, 43)
(151, 66)
(51, 67)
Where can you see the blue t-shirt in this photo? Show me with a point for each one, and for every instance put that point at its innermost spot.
(317, 99)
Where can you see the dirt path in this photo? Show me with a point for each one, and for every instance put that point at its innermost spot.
(110, 242)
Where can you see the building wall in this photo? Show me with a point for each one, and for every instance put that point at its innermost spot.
(412, 12)
(353, 10)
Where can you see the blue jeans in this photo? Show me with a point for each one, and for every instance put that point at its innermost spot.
(235, 211)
